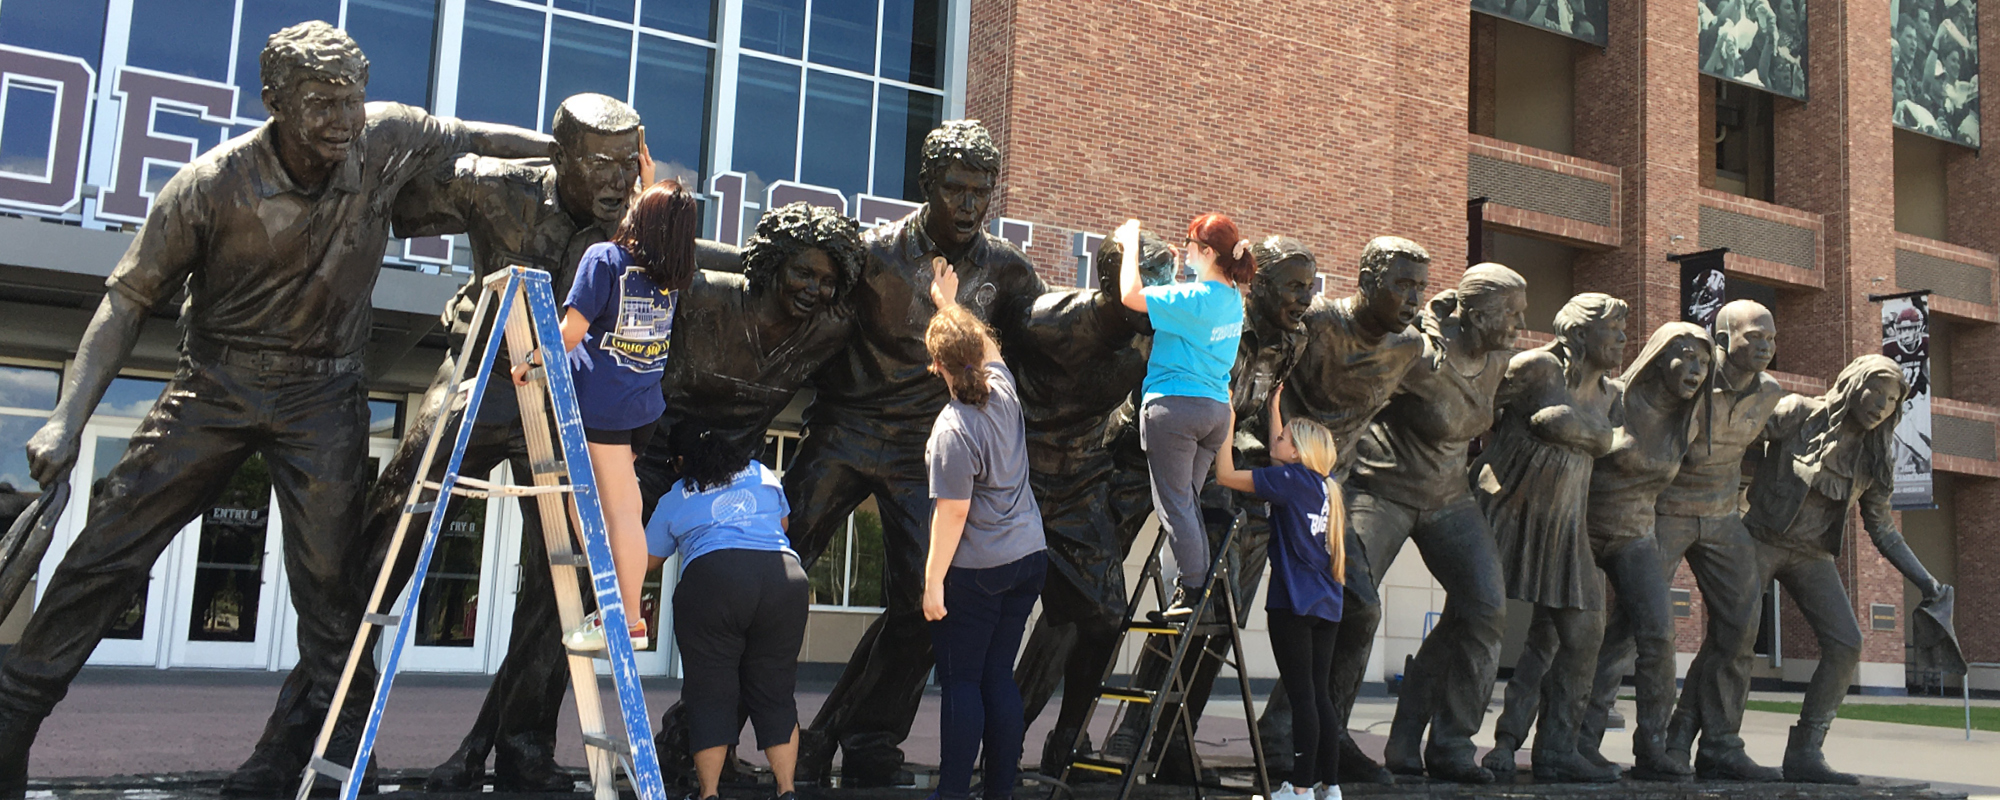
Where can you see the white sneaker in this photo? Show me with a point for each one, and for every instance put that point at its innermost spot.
(587, 637)
(1286, 791)
(1326, 792)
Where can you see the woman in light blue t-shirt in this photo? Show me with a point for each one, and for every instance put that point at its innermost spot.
(1184, 418)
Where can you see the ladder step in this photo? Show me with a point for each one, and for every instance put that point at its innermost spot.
(551, 467)
(602, 743)
(1128, 694)
(569, 560)
(382, 620)
(331, 770)
(1147, 627)
(601, 655)
(425, 507)
(1104, 765)
(476, 487)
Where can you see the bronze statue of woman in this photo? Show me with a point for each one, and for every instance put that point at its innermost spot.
(1533, 483)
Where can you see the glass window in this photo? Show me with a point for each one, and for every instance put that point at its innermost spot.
(586, 57)
(912, 37)
(671, 93)
(184, 37)
(14, 434)
(385, 419)
(27, 121)
(28, 387)
(686, 17)
(620, 10)
(262, 18)
(70, 27)
(767, 119)
(902, 121)
(130, 397)
(843, 34)
(500, 64)
(775, 26)
(400, 37)
(835, 152)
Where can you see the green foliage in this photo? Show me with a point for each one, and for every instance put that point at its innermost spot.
(1985, 718)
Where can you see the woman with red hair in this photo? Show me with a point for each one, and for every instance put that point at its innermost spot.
(1184, 416)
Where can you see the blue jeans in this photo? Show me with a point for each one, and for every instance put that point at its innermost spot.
(985, 613)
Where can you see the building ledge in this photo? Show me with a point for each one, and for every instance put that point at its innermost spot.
(1751, 230)
(1557, 196)
(1958, 295)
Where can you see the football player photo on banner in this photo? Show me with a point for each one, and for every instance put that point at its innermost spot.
(1934, 74)
(1577, 19)
(1760, 43)
(1906, 339)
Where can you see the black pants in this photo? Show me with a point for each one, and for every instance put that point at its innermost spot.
(840, 464)
(986, 611)
(1303, 648)
(740, 616)
(312, 430)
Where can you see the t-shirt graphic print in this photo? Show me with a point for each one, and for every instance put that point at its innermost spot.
(645, 329)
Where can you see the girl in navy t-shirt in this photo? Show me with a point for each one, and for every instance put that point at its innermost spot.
(618, 323)
(1308, 560)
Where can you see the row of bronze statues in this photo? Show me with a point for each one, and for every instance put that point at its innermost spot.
(1589, 475)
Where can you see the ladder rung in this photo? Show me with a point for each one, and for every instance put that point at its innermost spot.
(382, 620)
(425, 507)
(1161, 629)
(475, 485)
(569, 560)
(331, 770)
(1103, 765)
(551, 467)
(601, 743)
(601, 655)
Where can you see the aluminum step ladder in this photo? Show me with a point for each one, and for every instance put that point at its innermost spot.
(1163, 704)
(525, 309)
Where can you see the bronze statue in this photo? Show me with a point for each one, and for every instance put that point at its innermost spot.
(865, 436)
(1697, 516)
(1409, 483)
(277, 237)
(1077, 355)
(1357, 350)
(1824, 456)
(1533, 482)
(539, 213)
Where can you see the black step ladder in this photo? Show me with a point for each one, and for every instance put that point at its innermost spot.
(1163, 707)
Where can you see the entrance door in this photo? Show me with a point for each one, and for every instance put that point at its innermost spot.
(136, 634)
(454, 630)
(227, 594)
(286, 617)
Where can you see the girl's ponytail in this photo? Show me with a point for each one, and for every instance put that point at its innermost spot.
(1318, 453)
(1232, 251)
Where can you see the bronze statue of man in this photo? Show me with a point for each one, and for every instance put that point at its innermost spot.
(865, 436)
(277, 237)
(1697, 516)
(1823, 457)
(1357, 351)
(1077, 355)
(1533, 483)
(1409, 483)
(1281, 295)
(540, 213)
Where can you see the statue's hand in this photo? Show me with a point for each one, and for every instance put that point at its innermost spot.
(52, 452)
(1934, 592)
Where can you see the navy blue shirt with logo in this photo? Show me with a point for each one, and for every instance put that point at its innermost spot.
(1301, 565)
(619, 364)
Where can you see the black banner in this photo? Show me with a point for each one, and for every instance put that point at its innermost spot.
(1935, 68)
(1577, 19)
(1759, 43)
(1703, 286)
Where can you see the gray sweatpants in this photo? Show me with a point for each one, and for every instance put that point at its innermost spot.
(1181, 436)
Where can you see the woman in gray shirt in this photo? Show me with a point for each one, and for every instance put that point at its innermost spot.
(986, 556)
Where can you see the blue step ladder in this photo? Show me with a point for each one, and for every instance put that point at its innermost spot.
(525, 309)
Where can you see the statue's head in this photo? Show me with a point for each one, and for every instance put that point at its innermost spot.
(1156, 268)
(1679, 357)
(316, 88)
(1747, 335)
(1492, 304)
(1394, 274)
(958, 168)
(1868, 393)
(596, 156)
(1283, 288)
(1591, 329)
(809, 256)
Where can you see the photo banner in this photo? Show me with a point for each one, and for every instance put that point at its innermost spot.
(1934, 75)
(1704, 287)
(1759, 43)
(1577, 19)
(1906, 339)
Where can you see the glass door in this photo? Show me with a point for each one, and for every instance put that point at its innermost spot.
(135, 635)
(228, 587)
(284, 616)
(453, 630)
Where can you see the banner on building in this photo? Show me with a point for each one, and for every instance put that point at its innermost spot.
(1935, 68)
(1906, 338)
(1704, 286)
(1760, 43)
(1578, 19)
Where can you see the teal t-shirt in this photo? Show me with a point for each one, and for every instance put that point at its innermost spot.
(1195, 329)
